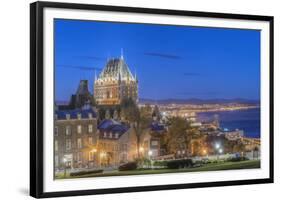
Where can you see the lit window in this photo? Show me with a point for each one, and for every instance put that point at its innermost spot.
(67, 130)
(79, 116)
(90, 116)
(79, 156)
(56, 160)
(56, 131)
(67, 116)
(104, 134)
(154, 143)
(56, 145)
(90, 139)
(90, 128)
(79, 143)
(68, 144)
(79, 129)
(91, 156)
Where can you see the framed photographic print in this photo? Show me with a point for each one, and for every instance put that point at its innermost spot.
(127, 99)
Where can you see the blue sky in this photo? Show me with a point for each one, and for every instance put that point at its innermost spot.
(170, 61)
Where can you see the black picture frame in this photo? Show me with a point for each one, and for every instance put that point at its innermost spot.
(37, 87)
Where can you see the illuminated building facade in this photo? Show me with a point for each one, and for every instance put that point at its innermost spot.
(115, 83)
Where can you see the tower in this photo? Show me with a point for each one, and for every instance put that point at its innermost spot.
(115, 83)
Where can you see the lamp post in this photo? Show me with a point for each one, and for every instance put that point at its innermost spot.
(149, 155)
(94, 150)
(218, 149)
(64, 167)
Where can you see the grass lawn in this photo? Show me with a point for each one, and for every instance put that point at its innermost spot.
(250, 164)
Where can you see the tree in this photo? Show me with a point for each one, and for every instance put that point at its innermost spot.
(138, 118)
(176, 137)
(180, 136)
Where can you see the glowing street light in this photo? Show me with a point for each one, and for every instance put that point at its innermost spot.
(102, 154)
(64, 164)
(217, 146)
(220, 150)
(204, 151)
(150, 154)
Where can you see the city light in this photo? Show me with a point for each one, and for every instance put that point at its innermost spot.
(94, 150)
(217, 145)
(204, 151)
(220, 150)
(141, 149)
(102, 154)
(150, 153)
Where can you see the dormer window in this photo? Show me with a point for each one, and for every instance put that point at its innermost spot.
(110, 135)
(67, 116)
(56, 116)
(90, 115)
(79, 115)
(116, 135)
(104, 134)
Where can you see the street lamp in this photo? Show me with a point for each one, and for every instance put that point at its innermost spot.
(93, 157)
(64, 166)
(141, 150)
(150, 154)
(204, 152)
(218, 149)
(217, 146)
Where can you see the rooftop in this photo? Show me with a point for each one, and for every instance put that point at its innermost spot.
(73, 114)
(118, 69)
(112, 127)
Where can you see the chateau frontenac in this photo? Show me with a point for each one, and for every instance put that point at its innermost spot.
(115, 83)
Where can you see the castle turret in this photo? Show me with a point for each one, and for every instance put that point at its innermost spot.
(115, 83)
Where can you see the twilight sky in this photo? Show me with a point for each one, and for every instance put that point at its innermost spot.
(176, 62)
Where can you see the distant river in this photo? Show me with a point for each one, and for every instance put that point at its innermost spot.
(246, 120)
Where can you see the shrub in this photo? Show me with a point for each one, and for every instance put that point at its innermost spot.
(176, 164)
(128, 166)
(160, 163)
(237, 159)
(80, 173)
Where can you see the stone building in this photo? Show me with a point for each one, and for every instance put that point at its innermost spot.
(75, 137)
(117, 143)
(115, 83)
(79, 143)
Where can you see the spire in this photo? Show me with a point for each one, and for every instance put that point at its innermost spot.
(119, 76)
(122, 54)
(135, 74)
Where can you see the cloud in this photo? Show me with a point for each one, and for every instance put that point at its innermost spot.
(93, 58)
(80, 67)
(162, 55)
